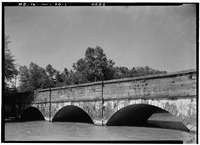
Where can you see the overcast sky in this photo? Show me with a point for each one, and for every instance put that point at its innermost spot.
(162, 37)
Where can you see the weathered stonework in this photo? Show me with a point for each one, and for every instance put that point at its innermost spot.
(185, 109)
(175, 93)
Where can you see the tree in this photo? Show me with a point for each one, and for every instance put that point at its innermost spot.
(65, 75)
(10, 70)
(33, 78)
(124, 72)
(51, 72)
(121, 72)
(60, 79)
(142, 71)
(93, 67)
(25, 84)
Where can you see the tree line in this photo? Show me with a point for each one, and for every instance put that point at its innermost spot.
(93, 66)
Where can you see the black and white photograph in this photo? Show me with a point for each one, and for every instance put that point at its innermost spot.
(99, 72)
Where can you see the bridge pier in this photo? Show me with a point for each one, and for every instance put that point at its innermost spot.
(48, 119)
(100, 122)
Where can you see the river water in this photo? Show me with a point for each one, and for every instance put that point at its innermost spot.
(65, 131)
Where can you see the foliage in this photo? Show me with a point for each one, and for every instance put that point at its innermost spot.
(123, 72)
(33, 78)
(10, 70)
(51, 73)
(94, 66)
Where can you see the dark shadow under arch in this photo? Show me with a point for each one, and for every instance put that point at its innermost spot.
(31, 114)
(72, 113)
(147, 116)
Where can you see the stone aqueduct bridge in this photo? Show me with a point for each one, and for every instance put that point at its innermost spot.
(134, 99)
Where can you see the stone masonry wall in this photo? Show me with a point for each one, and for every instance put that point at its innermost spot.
(171, 86)
(90, 97)
(184, 109)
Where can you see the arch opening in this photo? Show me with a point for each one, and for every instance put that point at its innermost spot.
(31, 114)
(72, 113)
(146, 116)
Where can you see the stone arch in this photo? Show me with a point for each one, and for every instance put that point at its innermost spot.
(184, 109)
(32, 114)
(71, 113)
(43, 108)
(145, 114)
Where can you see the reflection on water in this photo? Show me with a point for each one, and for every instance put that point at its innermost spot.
(65, 131)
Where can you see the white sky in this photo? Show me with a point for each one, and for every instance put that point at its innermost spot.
(162, 37)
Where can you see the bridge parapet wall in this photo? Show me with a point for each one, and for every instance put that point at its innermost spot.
(174, 85)
(84, 92)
